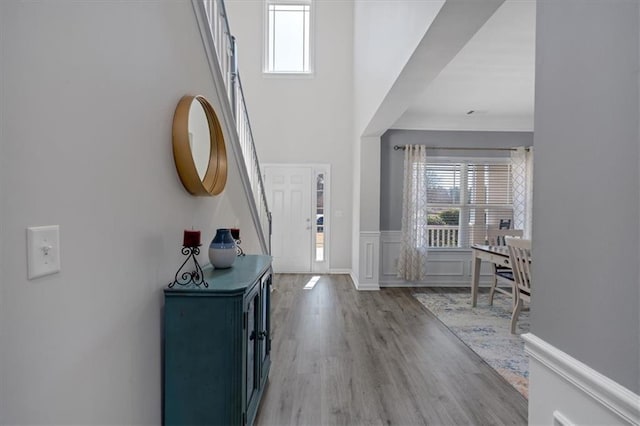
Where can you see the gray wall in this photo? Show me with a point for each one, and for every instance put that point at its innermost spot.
(392, 162)
(586, 206)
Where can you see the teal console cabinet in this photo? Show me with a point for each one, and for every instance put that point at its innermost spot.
(217, 345)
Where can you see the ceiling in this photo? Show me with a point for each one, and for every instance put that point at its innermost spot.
(492, 75)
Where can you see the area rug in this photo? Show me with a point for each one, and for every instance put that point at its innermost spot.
(485, 329)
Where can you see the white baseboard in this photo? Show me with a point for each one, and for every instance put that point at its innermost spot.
(337, 271)
(368, 287)
(561, 387)
(354, 279)
(363, 286)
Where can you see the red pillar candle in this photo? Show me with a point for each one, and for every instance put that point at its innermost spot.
(191, 238)
(235, 233)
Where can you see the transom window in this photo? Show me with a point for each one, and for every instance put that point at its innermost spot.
(288, 39)
(465, 198)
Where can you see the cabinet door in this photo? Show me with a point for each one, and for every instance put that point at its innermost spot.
(265, 324)
(253, 351)
(203, 359)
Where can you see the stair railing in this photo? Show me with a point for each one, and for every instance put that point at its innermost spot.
(222, 54)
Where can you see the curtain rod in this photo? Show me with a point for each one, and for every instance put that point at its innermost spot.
(402, 148)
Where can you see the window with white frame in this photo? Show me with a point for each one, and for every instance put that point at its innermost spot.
(288, 38)
(465, 198)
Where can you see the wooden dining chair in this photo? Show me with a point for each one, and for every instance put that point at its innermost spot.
(502, 275)
(520, 258)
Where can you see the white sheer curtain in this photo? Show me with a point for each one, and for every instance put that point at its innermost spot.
(522, 181)
(415, 240)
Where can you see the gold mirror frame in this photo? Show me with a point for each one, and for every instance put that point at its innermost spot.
(215, 177)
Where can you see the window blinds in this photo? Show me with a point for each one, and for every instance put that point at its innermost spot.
(465, 199)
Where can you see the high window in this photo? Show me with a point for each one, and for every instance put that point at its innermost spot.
(288, 38)
(465, 198)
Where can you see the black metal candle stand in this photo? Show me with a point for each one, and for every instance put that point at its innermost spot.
(239, 250)
(185, 277)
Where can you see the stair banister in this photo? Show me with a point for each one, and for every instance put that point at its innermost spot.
(221, 52)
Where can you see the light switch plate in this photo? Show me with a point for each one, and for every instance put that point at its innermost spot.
(43, 251)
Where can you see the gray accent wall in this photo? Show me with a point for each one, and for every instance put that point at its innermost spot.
(392, 162)
(586, 202)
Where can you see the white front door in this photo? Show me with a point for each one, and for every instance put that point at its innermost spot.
(289, 197)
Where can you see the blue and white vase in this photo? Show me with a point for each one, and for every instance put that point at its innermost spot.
(222, 250)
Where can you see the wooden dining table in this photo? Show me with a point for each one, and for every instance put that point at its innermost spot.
(493, 254)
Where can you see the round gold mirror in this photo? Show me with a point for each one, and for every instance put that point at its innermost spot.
(198, 147)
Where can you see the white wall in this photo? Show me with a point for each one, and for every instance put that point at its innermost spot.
(301, 119)
(355, 220)
(586, 202)
(386, 34)
(88, 95)
(370, 187)
(399, 48)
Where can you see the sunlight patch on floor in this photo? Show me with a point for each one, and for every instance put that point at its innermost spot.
(311, 283)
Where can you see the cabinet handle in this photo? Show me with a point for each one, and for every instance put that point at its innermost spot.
(262, 335)
(252, 336)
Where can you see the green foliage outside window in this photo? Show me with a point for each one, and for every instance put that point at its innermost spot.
(434, 219)
(450, 217)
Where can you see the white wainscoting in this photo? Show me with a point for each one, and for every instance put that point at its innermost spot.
(564, 391)
(369, 268)
(446, 267)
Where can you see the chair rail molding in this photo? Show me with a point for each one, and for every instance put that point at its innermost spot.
(369, 268)
(560, 386)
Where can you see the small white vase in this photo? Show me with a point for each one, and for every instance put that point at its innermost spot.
(222, 250)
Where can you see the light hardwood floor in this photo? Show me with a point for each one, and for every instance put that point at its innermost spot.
(343, 357)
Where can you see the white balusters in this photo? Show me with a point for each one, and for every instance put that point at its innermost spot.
(225, 51)
(443, 236)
